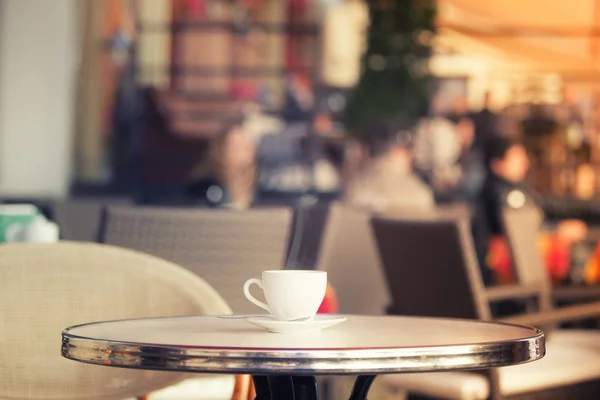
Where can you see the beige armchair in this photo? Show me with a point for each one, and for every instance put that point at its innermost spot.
(45, 288)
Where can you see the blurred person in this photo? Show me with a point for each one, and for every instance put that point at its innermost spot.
(299, 98)
(354, 159)
(459, 109)
(508, 163)
(388, 181)
(485, 123)
(469, 173)
(230, 169)
(324, 154)
(436, 149)
(470, 165)
(234, 158)
(296, 159)
(446, 156)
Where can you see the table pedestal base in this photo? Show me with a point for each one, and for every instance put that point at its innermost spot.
(287, 387)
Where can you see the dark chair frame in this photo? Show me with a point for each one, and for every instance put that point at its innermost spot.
(447, 282)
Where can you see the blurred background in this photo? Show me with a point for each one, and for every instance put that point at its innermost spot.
(123, 98)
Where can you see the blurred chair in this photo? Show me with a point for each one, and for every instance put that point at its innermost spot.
(432, 270)
(337, 238)
(521, 227)
(349, 255)
(79, 219)
(224, 247)
(45, 288)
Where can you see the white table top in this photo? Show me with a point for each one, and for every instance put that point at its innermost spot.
(361, 344)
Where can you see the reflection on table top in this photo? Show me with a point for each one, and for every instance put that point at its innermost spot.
(361, 344)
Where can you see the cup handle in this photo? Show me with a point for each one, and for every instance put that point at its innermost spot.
(249, 296)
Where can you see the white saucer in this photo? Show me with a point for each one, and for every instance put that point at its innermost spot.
(316, 324)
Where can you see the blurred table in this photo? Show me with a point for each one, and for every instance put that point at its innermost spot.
(284, 366)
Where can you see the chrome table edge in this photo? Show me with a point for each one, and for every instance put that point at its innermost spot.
(302, 361)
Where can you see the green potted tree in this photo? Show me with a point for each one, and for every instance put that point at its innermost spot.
(395, 79)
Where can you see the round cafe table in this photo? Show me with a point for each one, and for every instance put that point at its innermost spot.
(284, 366)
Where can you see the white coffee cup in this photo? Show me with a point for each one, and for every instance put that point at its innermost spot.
(290, 294)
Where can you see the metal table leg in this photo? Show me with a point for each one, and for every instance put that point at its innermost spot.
(262, 387)
(305, 388)
(285, 387)
(361, 387)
